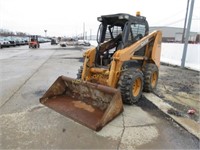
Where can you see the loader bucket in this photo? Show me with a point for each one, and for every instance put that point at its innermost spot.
(90, 104)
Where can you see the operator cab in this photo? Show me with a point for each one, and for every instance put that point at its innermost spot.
(116, 32)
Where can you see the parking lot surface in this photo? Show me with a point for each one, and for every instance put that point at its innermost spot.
(25, 76)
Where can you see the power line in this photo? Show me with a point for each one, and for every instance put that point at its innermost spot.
(174, 22)
(171, 16)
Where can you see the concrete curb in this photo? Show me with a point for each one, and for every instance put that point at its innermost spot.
(190, 125)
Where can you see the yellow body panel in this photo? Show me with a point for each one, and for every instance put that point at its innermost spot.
(157, 49)
(110, 76)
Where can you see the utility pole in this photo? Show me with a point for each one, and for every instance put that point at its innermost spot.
(83, 30)
(187, 34)
(186, 15)
(90, 34)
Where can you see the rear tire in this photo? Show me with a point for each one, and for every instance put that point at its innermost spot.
(150, 77)
(131, 86)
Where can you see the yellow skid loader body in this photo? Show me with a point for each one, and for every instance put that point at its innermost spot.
(113, 72)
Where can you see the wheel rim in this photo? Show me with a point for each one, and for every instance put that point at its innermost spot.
(137, 87)
(154, 79)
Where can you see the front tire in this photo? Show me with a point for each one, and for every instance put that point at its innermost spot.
(131, 86)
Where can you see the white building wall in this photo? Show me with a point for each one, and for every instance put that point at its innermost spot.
(173, 32)
(178, 37)
(171, 53)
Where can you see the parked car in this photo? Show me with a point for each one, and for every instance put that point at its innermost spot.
(26, 39)
(54, 41)
(17, 41)
(11, 40)
(83, 43)
(20, 40)
(4, 42)
(1, 43)
(63, 42)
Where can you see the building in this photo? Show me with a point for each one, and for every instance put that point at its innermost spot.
(174, 34)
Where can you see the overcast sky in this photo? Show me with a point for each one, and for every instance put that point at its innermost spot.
(66, 18)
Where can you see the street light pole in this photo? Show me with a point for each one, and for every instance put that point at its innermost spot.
(186, 15)
(187, 34)
(90, 34)
(83, 30)
(45, 31)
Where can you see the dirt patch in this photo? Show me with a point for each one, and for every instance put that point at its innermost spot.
(183, 109)
(80, 104)
(174, 112)
(180, 88)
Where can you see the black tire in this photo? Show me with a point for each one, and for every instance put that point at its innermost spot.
(79, 74)
(151, 74)
(131, 86)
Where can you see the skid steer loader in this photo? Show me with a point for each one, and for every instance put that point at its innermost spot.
(125, 63)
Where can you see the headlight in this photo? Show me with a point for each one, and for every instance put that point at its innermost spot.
(124, 17)
(99, 19)
(121, 17)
